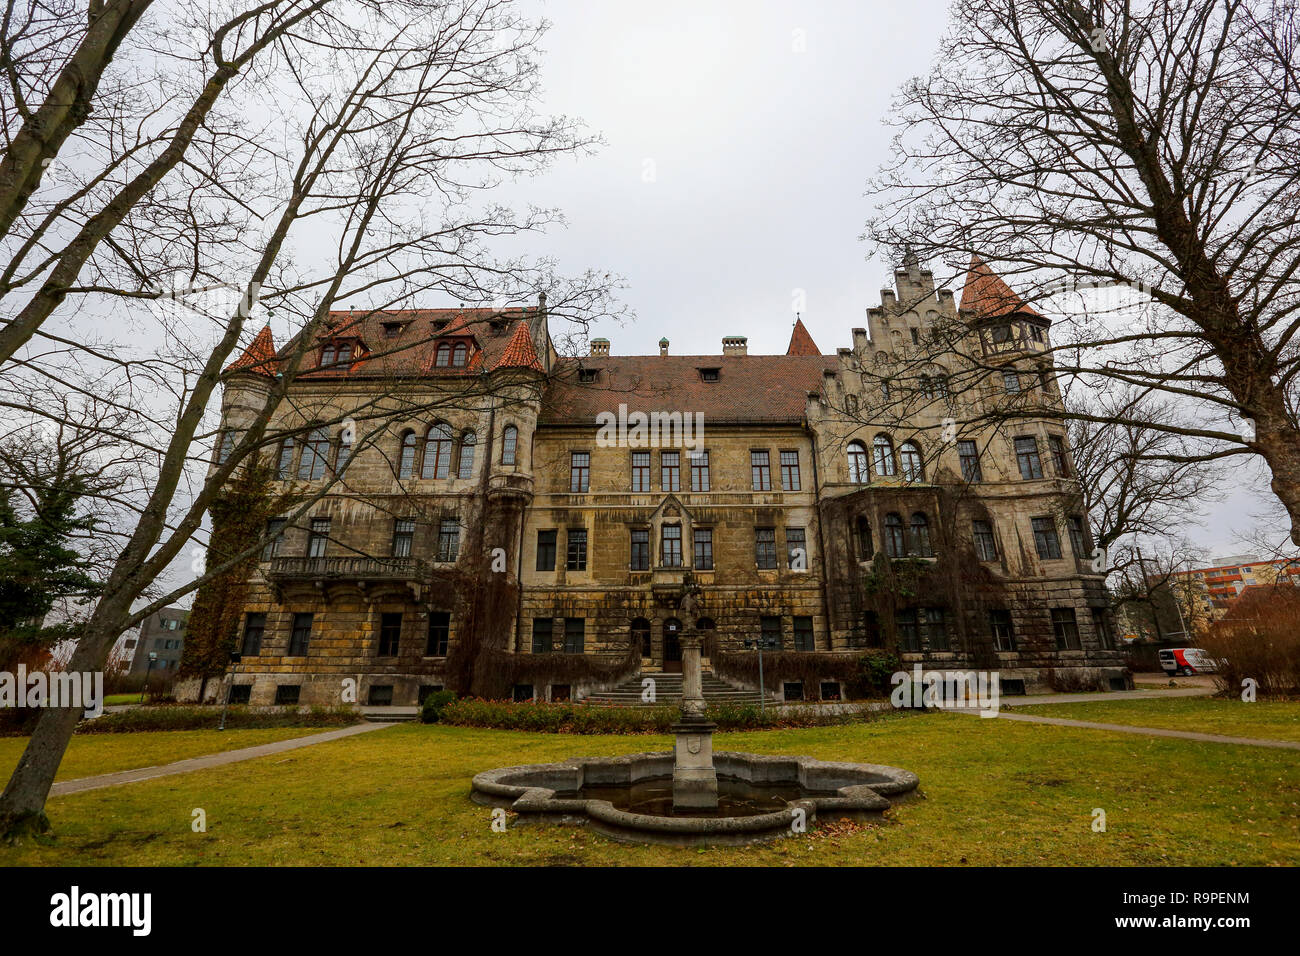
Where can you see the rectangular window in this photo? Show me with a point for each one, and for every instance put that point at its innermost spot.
(287, 693)
(986, 546)
(792, 690)
(1101, 625)
(254, 628)
(576, 544)
(390, 634)
(318, 537)
(670, 550)
(1066, 629)
(761, 471)
(283, 468)
(703, 549)
(934, 626)
(403, 537)
(769, 630)
(380, 695)
(546, 550)
(640, 471)
(543, 630)
(439, 630)
(1011, 381)
(579, 472)
(699, 471)
(275, 537)
(803, 634)
(240, 694)
(670, 463)
(796, 549)
(1027, 458)
(1046, 539)
(448, 539)
(765, 548)
(574, 628)
(1078, 540)
(523, 693)
(1004, 635)
(640, 560)
(1056, 446)
(909, 637)
(969, 456)
(789, 471)
(300, 635)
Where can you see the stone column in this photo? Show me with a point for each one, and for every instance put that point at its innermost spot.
(693, 705)
(695, 781)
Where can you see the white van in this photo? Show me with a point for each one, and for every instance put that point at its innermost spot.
(1186, 660)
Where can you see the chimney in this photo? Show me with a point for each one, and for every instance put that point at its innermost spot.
(663, 348)
(735, 345)
(600, 347)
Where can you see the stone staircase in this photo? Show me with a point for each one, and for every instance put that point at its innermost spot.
(668, 690)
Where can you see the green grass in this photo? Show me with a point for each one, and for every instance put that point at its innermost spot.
(89, 754)
(1270, 720)
(995, 793)
(113, 700)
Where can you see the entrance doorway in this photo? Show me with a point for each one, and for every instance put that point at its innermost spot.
(672, 646)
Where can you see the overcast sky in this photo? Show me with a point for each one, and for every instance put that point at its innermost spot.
(739, 137)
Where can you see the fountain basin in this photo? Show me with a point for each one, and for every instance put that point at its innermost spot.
(761, 796)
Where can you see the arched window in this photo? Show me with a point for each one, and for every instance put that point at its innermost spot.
(458, 355)
(862, 537)
(327, 355)
(345, 352)
(921, 535)
(858, 463)
(406, 465)
(641, 635)
(437, 452)
(924, 386)
(941, 387)
(345, 450)
(882, 357)
(509, 441)
(894, 543)
(315, 453)
(909, 456)
(883, 453)
(466, 467)
(444, 356)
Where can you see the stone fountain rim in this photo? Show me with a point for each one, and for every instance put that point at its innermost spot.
(534, 799)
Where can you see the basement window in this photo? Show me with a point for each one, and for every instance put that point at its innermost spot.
(287, 693)
(241, 693)
(792, 690)
(830, 690)
(523, 693)
(709, 374)
(381, 695)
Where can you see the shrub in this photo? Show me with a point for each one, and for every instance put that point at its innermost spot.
(431, 712)
(570, 718)
(140, 719)
(1258, 638)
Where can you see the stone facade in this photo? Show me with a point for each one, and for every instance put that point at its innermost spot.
(574, 542)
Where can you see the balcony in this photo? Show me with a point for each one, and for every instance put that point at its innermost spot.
(361, 571)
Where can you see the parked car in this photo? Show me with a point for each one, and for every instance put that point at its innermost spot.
(1186, 660)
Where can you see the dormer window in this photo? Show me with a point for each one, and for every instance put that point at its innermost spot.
(709, 374)
(345, 353)
(459, 354)
(336, 353)
(327, 355)
(587, 375)
(393, 329)
(444, 356)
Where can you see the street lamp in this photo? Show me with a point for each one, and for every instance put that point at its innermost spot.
(235, 658)
(153, 656)
(760, 643)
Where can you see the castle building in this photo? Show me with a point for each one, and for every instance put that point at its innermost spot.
(507, 521)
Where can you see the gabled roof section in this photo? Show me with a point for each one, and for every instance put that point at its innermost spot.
(520, 353)
(988, 296)
(801, 343)
(259, 357)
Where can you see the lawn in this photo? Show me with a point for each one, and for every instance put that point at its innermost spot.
(91, 754)
(995, 792)
(1271, 720)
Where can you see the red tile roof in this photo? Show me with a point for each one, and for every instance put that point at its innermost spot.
(801, 343)
(259, 357)
(520, 353)
(750, 388)
(987, 295)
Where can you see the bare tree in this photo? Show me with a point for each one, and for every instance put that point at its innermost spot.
(1151, 147)
(393, 120)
